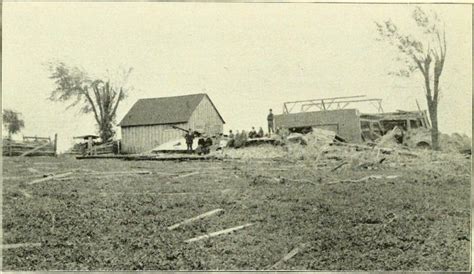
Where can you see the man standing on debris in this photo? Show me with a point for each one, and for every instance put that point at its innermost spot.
(270, 123)
(189, 141)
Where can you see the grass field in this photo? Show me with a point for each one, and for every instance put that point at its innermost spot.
(419, 220)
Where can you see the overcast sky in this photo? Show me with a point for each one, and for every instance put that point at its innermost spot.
(247, 57)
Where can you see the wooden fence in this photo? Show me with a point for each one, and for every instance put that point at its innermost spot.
(31, 146)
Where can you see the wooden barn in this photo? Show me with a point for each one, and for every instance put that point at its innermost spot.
(150, 121)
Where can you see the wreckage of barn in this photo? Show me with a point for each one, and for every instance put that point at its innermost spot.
(154, 121)
(337, 114)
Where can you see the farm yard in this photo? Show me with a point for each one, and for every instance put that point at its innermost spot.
(201, 137)
(294, 213)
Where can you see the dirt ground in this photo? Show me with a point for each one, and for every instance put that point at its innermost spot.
(413, 217)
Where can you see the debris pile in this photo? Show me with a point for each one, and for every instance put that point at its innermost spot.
(391, 138)
(321, 149)
(313, 145)
(265, 151)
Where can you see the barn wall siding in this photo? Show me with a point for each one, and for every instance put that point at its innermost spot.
(206, 119)
(139, 139)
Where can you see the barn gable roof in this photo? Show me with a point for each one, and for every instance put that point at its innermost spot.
(164, 110)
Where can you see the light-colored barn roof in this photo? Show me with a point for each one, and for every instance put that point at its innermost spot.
(164, 110)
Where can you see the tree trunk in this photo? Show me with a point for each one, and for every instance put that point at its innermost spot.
(433, 110)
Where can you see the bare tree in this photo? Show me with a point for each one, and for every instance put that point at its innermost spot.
(426, 54)
(98, 96)
(12, 122)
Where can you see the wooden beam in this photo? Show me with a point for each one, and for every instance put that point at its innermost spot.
(332, 98)
(290, 255)
(62, 175)
(189, 174)
(120, 172)
(187, 221)
(217, 233)
(9, 246)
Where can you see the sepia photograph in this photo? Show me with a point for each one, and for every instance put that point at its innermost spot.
(227, 136)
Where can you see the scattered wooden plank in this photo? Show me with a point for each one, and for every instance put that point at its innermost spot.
(207, 214)
(165, 173)
(34, 149)
(46, 163)
(50, 178)
(26, 194)
(277, 169)
(151, 193)
(65, 179)
(33, 170)
(181, 193)
(110, 174)
(214, 234)
(290, 255)
(189, 174)
(120, 172)
(338, 166)
(9, 246)
(296, 180)
(363, 179)
(19, 177)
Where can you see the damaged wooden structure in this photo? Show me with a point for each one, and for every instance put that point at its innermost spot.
(87, 145)
(337, 114)
(30, 146)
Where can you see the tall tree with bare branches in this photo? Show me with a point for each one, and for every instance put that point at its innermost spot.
(425, 53)
(96, 96)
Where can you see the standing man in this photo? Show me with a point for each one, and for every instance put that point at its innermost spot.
(189, 141)
(270, 123)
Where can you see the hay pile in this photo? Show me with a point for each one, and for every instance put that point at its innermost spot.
(455, 143)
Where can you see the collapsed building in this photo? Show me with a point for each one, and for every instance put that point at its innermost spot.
(337, 114)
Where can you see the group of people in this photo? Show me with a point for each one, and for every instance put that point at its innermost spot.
(204, 142)
(236, 140)
(252, 134)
